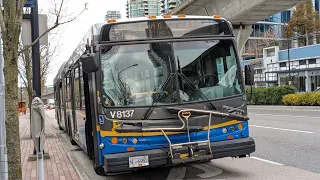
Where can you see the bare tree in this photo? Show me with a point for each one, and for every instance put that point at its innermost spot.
(255, 46)
(47, 54)
(10, 24)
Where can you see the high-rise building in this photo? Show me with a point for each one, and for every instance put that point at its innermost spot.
(168, 5)
(262, 32)
(113, 15)
(141, 8)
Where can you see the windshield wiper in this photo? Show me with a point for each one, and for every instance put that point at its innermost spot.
(158, 97)
(198, 91)
(193, 87)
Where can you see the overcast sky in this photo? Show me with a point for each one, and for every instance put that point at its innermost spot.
(72, 33)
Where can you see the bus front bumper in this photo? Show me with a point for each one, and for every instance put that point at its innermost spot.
(160, 157)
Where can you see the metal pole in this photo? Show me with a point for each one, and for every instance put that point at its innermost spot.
(36, 81)
(288, 42)
(3, 154)
(40, 166)
(21, 92)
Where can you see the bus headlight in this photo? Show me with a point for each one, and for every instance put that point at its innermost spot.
(134, 140)
(124, 140)
(233, 128)
(224, 130)
(101, 146)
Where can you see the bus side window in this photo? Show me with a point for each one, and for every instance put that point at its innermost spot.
(82, 98)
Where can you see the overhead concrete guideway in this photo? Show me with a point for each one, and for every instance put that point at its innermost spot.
(45, 97)
(241, 13)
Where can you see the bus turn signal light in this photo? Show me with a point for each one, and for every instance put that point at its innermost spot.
(114, 140)
(230, 137)
(240, 126)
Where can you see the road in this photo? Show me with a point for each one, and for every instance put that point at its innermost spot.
(289, 136)
(287, 147)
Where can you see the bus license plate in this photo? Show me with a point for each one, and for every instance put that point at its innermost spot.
(138, 161)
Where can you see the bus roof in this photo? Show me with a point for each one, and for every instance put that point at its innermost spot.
(137, 19)
(94, 32)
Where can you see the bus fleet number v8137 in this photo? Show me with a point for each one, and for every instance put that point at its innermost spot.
(122, 114)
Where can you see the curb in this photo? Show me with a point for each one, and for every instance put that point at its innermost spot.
(80, 171)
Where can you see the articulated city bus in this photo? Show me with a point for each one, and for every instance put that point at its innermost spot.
(155, 91)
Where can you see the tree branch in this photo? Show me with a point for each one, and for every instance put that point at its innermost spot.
(53, 27)
(59, 12)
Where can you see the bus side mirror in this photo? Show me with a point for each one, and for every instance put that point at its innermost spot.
(90, 63)
(249, 74)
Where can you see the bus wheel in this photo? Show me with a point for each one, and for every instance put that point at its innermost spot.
(98, 169)
(60, 128)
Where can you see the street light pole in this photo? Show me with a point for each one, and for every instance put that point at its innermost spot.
(288, 42)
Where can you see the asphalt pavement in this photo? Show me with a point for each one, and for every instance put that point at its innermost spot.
(287, 135)
(287, 147)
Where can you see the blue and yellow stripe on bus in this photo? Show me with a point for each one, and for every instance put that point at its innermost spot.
(104, 133)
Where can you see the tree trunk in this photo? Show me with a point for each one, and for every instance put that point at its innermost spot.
(12, 119)
(10, 35)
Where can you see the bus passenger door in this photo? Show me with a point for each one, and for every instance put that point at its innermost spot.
(75, 101)
(63, 91)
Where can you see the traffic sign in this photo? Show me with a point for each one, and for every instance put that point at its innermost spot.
(29, 3)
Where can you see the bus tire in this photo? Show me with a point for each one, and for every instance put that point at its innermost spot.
(60, 128)
(73, 142)
(98, 169)
(58, 120)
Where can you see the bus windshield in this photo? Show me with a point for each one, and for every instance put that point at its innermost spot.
(133, 74)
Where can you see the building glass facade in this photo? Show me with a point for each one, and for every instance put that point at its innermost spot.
(261, 32)
(141, 8)
(113, 15)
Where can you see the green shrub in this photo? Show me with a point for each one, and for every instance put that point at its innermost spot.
(269, 96)
(304, 99)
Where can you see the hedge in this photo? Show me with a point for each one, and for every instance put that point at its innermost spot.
(305, 99)
(269, 96)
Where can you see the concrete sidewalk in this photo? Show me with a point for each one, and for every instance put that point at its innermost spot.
(58, 167)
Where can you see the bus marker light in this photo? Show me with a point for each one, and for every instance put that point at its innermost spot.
(166, 16)
(134, 140)
(181, 15)
(124, 140)
(224, 130)
(230, 137)
(217, 16)
(101, 146)
(240, 126)
(130, 149)
(152, 17)
(114, 140)
(111, 21)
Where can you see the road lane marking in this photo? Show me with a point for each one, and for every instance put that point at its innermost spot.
(177, 173)
(293, 130)
(310, 117)
(210, 171)
(264, 160)
(287, 109)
